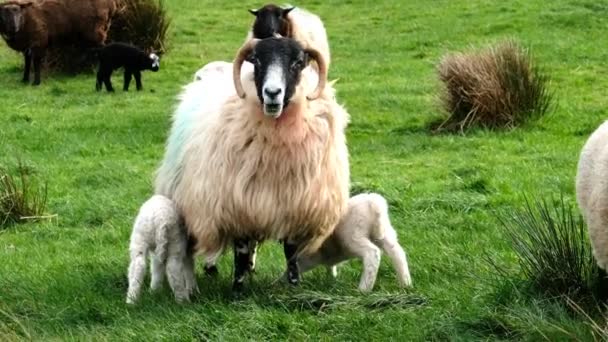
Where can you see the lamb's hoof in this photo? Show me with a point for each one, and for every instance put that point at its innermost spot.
(211, 271)
(36, 83)
(25, 80)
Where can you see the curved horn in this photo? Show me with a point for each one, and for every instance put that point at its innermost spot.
(244, 51)
(318, 57)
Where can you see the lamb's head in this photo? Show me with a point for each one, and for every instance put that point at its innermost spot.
(11, 17)
(271, 20)
(278, 65)
(154, 62)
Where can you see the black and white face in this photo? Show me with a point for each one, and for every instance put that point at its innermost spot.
(278, 64)
(155, 62)
(270, 20)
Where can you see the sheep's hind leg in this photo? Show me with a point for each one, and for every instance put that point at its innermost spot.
(241, 263)
(293, 272)
(128, 76)
(137, 272)
(157, 270)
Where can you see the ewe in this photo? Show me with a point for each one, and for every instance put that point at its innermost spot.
(158, 230)
(31, 26)
(363, 231)
(275, 166)
(592, 191)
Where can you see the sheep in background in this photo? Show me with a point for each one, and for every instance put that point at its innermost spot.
(158, 230)
(272, 166)
(592, 191)
(363, 231)
(291, 22)
(134, 60)
(31, 26)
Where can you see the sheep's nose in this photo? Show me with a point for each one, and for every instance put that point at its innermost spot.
(272, 92)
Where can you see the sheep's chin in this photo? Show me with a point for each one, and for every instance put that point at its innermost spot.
(273, 110)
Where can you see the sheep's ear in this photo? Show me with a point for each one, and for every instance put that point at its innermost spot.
(25, 4)
(254, 12)
(286, 11)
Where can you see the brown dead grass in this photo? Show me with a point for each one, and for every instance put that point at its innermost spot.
(500, 87)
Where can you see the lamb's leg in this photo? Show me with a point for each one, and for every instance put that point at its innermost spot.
(241, 263)
(137, 75)
(391, 247)
(107, 75)
(137, 272)
(293, 273)
(99, 80)
(370, 254)
(128, 75)
(37, 56)
(157, 268)
(27, 57)
(190, 274)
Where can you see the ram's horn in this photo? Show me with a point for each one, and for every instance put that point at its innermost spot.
(244, 51)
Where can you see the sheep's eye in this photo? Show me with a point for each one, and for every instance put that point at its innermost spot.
(297, 65)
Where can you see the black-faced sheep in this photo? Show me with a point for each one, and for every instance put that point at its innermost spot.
(31, 26)
(158, 231)
(272, 166)
(133, 59)
(299, 24)
(362, 233)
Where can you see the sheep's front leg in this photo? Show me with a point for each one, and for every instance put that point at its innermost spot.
(37, 56)
(137, 75)
(27, 57)
(253, 250)
(293, 272)
(241, 263)
(128, 75)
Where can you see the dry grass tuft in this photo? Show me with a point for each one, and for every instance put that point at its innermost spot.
(21, 198)
(143, 23)
(500, 87)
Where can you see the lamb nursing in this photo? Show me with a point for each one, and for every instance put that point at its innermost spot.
(250, 168)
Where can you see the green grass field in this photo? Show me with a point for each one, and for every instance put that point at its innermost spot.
(66, 278)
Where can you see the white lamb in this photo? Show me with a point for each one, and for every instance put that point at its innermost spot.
(592, 191)
(361, 233)
(158, 230)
